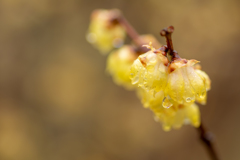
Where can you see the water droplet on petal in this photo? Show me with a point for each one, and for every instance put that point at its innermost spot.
(150, 68)
(166, 103)
(190, 99)
(203, 94)
(135, 79)
(131, 75)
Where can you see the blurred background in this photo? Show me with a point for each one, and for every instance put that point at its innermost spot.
(58, 103)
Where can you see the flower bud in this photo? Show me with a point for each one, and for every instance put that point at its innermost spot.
(103, 33)
(119, 63)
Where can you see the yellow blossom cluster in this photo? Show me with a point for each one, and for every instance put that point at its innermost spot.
(170, 89)
(167, 86)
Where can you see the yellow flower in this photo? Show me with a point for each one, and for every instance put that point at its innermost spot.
(173, 117)
(119, 63)
(178, 115)
(149, 71)
(206, 80)
(185, 84)
(104, 34)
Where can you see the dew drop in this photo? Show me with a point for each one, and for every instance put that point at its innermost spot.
(189, 99)
(131, 75)
(135, 79)
(203, 94)
(166, 103)
(150, 68)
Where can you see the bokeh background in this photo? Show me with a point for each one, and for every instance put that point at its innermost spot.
(58, 103)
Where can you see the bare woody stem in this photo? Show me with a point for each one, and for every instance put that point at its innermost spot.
(117, 17)
(132, 33)
(207, 138)
(167, 33)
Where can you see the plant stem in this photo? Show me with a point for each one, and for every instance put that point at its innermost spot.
(207, 138)
(131, 32)
(167, 33)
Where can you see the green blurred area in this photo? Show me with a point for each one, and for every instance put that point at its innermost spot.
(58, 103)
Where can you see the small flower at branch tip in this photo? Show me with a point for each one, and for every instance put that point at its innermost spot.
(103, 33)
(119, 63)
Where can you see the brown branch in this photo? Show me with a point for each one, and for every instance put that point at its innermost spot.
(117, 17)
(132, 33)
(207, 138)
(167, 33)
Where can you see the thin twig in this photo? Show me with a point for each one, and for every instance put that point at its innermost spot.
(167, 33)
(207, 138)
(131, 32)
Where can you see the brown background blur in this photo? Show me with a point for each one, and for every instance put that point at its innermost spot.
(58, 103)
